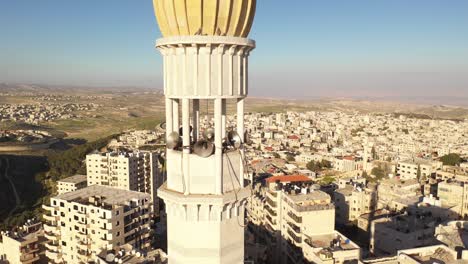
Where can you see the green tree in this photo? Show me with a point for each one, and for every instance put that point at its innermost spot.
(451, 159)
(327, 180)
(276, 155)
(378, 173)
(325, 164)
(290, 158)
(313, 166)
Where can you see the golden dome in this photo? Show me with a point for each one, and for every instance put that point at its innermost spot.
(205, 17)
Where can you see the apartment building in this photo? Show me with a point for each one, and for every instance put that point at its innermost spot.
(307, 157)
(255, 209)
(71, 184)
(409, 169)
(22, 245)
(345, 164)
(388, 235)
(354, 200)
(299, 221)
(452, 173)
(394, 193)
(80, 224)
(133, 171)
(454, 193)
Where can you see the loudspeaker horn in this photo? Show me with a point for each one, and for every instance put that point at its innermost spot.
(234, 139)
(209, 134)
(204, 148)
(162, 126)
(173, 141)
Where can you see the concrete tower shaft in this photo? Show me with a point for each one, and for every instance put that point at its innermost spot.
(205, 56)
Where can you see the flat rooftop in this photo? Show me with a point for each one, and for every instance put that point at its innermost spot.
(108, 195)
(334, 241)
(315, 195)
(416, 161)
(74, 179)
(408, 223)
(439, 256)
(346, 191)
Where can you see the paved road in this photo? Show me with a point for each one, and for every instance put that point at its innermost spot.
(12, 184)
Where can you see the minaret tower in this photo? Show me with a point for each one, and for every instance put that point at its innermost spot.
(205, 51)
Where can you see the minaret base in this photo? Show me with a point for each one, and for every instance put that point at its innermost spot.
(206, 229)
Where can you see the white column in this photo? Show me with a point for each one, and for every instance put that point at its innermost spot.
(218, 143)
(195, 68)
(169, 121)
(220, 69)
(240, 118)
(186, 123)
(196, 119)
(240, 131)
(246, 73)
(223, 118)
(186, 143)
(175, 115)
(231, 69)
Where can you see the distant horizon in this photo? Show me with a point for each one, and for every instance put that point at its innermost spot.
(305, 48)
(452, 101)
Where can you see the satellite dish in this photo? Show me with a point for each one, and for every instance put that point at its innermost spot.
(110, 258)
(204, 148)
(209, 134)
(162, 125)
(234, 139)
(173, 141)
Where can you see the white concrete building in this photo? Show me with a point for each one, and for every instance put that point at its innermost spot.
(409, 169)
(71, 184)
(80, 224)
(298, 224)
(22, 245)
(133, 171)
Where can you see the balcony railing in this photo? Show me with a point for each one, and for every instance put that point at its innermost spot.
(294, 217)
(270, 202)
(272, 221)
(296, 238)
(273, 193)
(294, 227)
(270, 211)
(29, 258)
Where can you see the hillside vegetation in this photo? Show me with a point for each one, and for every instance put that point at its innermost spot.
(35, 177)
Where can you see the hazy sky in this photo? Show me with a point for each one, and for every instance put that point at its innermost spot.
(305, 48)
